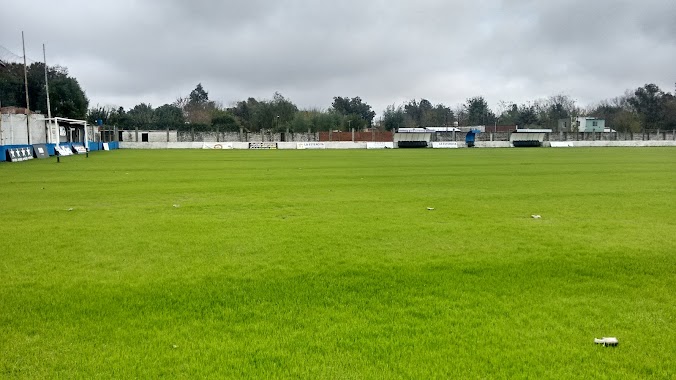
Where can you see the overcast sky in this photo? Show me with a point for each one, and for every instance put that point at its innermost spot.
(124, 52)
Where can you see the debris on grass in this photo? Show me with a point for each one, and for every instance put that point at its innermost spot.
(607, 341)
(430, 209)
(176, 206)
(70, 209)
(536, 216)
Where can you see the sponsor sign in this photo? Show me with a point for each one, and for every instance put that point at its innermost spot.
(41, 151)
(216, 145)
(559, 144)
(106, 146)
(263, 145)
(79, 149)
(379, 145)
(19, 154)
(445, 144)
(62, 131)
(63, 151)
(311, 145)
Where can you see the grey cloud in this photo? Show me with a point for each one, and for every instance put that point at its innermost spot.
(127, 52)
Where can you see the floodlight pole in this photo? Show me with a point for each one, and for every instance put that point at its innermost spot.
(49, 107)
(25, 83)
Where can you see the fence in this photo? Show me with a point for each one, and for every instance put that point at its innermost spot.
(137, 135)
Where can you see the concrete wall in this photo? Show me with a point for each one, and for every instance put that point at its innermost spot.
(153, 136)
(583, 144)
(13, 130)
(363, 145)
(234, 145)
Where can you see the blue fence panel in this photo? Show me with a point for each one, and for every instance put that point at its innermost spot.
(4, 148)
(94, 146)
(51, 149)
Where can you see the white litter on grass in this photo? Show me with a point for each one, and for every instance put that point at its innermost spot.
(70, 209)
(607, 341)
(536, 216)
(430, 209)
(177, 206)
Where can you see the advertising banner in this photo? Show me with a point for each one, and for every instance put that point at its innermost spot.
(311, 145)
(445, 144)
(263, 145)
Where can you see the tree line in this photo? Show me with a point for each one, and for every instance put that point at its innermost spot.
(645, 108)
(197, 112)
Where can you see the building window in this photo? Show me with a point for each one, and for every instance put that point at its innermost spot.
(595, 123)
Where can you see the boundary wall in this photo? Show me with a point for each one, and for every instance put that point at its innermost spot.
(367, 145)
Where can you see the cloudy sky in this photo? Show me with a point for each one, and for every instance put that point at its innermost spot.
(125, 52)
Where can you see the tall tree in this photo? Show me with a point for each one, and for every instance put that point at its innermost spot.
(243, 111)
(198, 95)
(197, 108)
(66, 96)
(169, 116)
(355, 106)
(394, 117)
(142, 116)
(649, 102)
(527, 116)
(276, 114)
(225, 121)
(478, 112)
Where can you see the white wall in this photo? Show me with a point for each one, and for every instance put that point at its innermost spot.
(13, 129)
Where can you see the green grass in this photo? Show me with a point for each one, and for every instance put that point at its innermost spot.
(327, 264)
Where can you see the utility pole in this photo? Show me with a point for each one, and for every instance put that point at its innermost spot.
(49, 108)
(25, 82)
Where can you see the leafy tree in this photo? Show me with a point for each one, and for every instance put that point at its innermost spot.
(198, 95)
(527, 116)
(65, 94)
(142, 116)
(226, 121)
(99, 113)
(243, 111)
(120, 118)
(276, 114)
(478, 112)
(169, 116)
(650, 103)
(197, 109)
(394, 117)
(355, 106)
(510, 114)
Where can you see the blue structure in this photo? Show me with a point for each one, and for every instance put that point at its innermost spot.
(470, 137)
(51, 147)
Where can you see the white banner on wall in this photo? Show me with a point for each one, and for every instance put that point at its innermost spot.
(209, 145)
(445, 144)
(379, 145)
(311, 145)
(262, 145)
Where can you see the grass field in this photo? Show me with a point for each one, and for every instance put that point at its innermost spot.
(327, 264)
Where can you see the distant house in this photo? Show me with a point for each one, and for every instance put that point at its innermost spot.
(582, 124)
